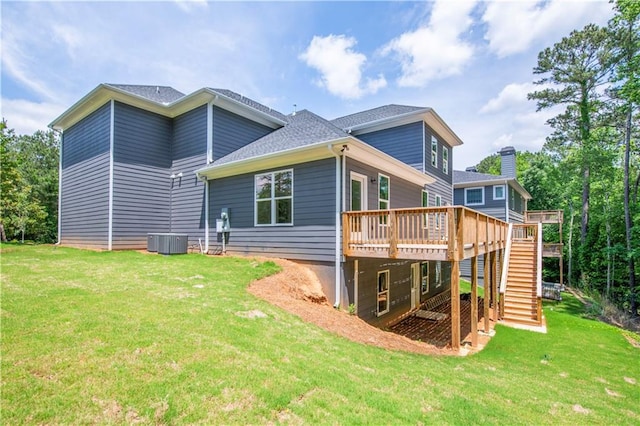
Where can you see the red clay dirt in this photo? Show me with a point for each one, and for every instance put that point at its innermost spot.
(297, 290)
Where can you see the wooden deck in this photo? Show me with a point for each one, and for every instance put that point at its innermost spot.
(426, 233)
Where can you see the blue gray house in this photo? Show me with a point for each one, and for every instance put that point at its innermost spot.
(149, 159)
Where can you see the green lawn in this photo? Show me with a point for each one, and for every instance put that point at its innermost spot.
(127, 337)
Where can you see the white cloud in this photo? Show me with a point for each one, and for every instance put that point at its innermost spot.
(512, 96)
(514, 26)
(27, 117)
(437, 49)
(191, 5)
(340, 66)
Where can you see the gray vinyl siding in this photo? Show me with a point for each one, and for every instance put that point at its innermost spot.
(440, 187)
(402, 142)
(188, 153)
(402, 194)
(312, 236)
(516, 202)
(142, 160)
(84, 192)
(437, 172)
(489, 201)
(231, 132)
(399, 287)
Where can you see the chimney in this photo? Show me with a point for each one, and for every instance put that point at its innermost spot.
(508, 167)
(471, 169)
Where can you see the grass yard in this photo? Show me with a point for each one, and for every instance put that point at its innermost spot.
(127, 337)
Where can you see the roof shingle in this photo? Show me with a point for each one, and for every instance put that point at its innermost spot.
(159, 94)
(250, 103)
(375, 114)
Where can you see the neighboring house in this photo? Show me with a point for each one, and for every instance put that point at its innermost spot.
(500, 196)
(147, 159)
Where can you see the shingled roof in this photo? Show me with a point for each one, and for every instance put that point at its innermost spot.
(375, 114)
(462, 177)
(250, 103)
(160, 94)
(302, 129)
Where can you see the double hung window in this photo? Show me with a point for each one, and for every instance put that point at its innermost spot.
(274, 198)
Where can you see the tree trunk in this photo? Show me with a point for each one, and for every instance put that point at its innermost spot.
(608, 230)
(570, 266)
(3, 236)
(627, 215)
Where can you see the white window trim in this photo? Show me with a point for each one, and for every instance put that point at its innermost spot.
(388, 291)
(434, 152)
(504, 192)
(388, 200)
(273, 199)
(481, 188)
(421, 278)
(445, 161)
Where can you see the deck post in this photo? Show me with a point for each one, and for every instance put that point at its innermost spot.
(494, 285)
(487, 292)
(393, 234)
(346, 230)
(455, 305)
(474, 301)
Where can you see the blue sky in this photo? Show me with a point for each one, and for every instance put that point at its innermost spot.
(471, 61)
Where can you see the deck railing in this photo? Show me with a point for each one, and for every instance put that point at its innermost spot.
(543, 216)
(427, 233)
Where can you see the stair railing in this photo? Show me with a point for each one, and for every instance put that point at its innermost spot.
(505, 269)
(539, 273)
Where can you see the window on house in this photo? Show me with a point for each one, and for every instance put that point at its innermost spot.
(513, 199)
(425, 203)
(498, 192)
(438, 215)
(383, 196)
(274, 198)
(383, 292)
(438, 273)
(445, 160)
(424, 277)
(473, 196)
(434, 151)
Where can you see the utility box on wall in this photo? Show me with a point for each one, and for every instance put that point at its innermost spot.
(168, 243)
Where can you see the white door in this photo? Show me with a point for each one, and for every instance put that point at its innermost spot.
(415, 285)
(358, 202)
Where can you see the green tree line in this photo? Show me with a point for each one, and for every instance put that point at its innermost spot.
(28, 185)
(589, 166)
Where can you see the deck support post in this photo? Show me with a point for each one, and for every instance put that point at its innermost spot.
(487, 292)
(474, 301)
(494, 285)
(455, 305)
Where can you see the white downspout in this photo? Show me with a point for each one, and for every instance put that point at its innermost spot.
(60, 190)
(206, 216)
(206, 182)
(338, 247)
(111, 145)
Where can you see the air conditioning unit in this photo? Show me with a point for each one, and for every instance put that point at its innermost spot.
(168, 243)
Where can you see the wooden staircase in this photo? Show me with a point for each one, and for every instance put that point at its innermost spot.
(521, 302)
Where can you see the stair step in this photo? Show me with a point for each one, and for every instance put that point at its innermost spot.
(525, 321)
